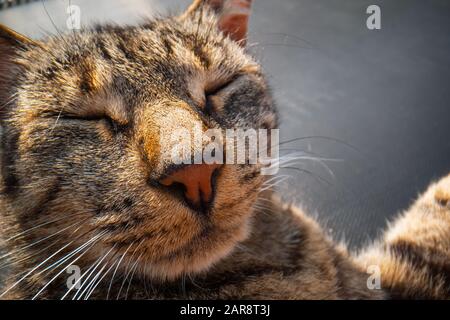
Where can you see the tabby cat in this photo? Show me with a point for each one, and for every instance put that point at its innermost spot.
(84, 183)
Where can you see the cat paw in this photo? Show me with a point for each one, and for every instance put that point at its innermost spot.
(442, 192)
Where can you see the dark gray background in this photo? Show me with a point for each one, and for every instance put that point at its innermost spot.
(384, 92)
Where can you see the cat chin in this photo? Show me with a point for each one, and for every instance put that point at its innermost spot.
(205, 257)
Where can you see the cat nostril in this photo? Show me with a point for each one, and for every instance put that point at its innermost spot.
(197, 182)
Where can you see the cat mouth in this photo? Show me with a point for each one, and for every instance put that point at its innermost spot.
(185, 249)
(197, 255)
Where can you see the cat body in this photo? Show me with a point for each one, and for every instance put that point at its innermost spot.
(86, 182)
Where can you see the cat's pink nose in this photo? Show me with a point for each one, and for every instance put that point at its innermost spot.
(197, 180)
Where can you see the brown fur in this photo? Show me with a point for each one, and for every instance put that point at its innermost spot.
(82, 119)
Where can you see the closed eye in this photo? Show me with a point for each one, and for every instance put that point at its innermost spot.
(211, 93)
(112, 124)
(216, 89)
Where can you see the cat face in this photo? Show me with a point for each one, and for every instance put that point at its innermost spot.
(85, 120)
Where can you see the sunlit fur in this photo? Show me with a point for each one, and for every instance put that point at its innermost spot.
(82, 118)
(63, 159)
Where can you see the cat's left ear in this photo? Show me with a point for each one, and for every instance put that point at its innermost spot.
(11, 43)
(233, 16)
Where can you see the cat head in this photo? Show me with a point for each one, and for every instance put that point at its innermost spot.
(85, 119)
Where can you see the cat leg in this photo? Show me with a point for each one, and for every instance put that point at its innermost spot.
(414, 255)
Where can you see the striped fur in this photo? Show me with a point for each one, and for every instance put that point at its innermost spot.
(82, 116)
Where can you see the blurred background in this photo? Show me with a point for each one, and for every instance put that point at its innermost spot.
(374, 104)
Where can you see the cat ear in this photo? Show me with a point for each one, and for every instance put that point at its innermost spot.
(9, 37)
(233, 16)
(11, 43)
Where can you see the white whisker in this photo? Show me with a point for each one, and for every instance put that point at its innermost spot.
(32, 270)
(128, 273)
(79, 279)
(71, 263)
(117, 267)
(100, 280)
(79, 292)
(41, 240)
(132, 275)
(33, 228)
